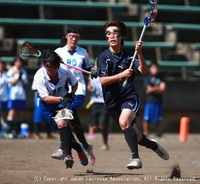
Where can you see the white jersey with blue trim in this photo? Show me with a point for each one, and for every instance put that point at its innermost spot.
(79, 58)
(97, 93)
(45, 87)
(3, 87)
(17, 92)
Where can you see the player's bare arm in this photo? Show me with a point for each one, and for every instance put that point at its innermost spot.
(143, 68)
(52, 99)
(114, 78)
(156, 89)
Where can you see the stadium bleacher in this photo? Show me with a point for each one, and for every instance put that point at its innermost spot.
(41, 23)
(173, 40)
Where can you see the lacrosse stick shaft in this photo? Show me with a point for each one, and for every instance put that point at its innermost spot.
(149, 19)
(135, 53)
(77, 68)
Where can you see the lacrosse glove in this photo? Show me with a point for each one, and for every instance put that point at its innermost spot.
(93, 73)
(69, 98)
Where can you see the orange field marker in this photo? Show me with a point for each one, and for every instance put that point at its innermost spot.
(184, 129)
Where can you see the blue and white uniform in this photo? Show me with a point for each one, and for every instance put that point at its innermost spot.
(79, 58)
(17, 93)
(45, 87)
(3, 91)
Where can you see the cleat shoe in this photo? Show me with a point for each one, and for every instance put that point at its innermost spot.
(161, 152)
(90, 154)
(91, 137)
(159, 138)
(59, 154)
(50, 137)
(82, 156)
(68, 161)
(135, 164)
(104, 147)
(37, 137)
(109, 136)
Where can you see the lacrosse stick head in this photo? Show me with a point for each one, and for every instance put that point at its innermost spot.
(64, 113)
(28, 50)
(153, 12)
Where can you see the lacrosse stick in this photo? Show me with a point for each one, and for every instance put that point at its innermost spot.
(148, 19)
(77, 68)
(28, 50)
(64, 113)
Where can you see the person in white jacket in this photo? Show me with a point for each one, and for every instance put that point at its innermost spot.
(3, 99)
(17, 82)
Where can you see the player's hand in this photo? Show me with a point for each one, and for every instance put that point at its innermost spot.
(127, 73)
(69, 98)
(93, 73)
(138, 47)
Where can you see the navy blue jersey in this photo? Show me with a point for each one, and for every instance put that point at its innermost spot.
(153, 80)
(109, 64)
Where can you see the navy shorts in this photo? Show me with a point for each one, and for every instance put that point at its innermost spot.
(99, 115)
(19, 105)
(129, 103)
(4, 106)
(49, 111)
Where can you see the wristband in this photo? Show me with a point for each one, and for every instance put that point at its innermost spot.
(61, 99)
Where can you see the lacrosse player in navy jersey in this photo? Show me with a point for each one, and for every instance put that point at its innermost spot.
(121, 101)
(75, 55)
(52, 84)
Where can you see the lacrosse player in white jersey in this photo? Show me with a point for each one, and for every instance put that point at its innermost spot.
(3, 100)
(52, 83)
(17, 80)
(74, 55)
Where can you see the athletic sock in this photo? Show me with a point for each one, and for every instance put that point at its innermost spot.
(10, 126)
(131, 139)
(65, 138)
(18, 126)
(104, 132)
(48, 129)
(36, 128)
(74, 143)
(147, 143)
(78, 130)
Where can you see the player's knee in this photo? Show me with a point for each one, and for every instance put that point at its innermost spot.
(61, 124)
(124, 123)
